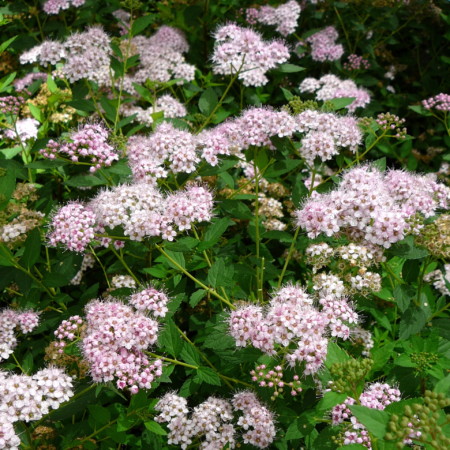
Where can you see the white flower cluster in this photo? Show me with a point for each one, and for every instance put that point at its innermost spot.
(211, 421)
(27, 398)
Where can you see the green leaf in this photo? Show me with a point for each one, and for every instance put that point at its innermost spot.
(32, 249)
(82, 105)
(7, 185)
(6, 81)
(237, 209)
(220, 273)
(142, 23)
(443, 385)
(214, 232)
(169, 339)
(98, 416)
(373, 419)
(413, 320)
(403, 294)
(178, 257)
(196, 297)
(36, 112)
(52, 85)
(287, 94)
(208, 101)
(329, 400)
(281, 167)
(339, 103)
(299, 190)
(380, 164)
(419, 109)
(86, 181)
(208, 376)
(190, 355)
(407, 249)
(6, 44)
(335, 355)
(155, 428)
(289, 68)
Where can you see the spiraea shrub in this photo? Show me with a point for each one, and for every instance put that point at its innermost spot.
(224, 224)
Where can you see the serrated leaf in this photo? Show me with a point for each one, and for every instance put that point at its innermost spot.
(155, 428)
(220, 273)
(196, 297)
(208, 376)
(380, 164)
(208, 101)
(373, 419)
(408, 250)
(216, 230)
(329, 400)
(142, 23)
(178, 257)
(6, 81)
(46, 164)
(403, 295)
(190, 355)
(412, 321)
(32, 249)
(170, 339)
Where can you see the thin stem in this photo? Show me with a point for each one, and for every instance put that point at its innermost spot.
(219, 104)
(343, 28)
(288, 258)
(18, 364)
(101, 265)
(202, 285)
(173, 361)
(210, 364)
(127, 268)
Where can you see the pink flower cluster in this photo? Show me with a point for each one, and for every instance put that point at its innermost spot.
(21, 83)
(10, 104)
(441, 102)
(27, 398)
(330, 87)
(179, 150)
(323, 45)
(372, 206)
(166, 104)
(55, 6)
(375, 396)
(115, 341)
(161, 58)
(326, 133)
(89, 143)
(150, 300)
(210, 423)
(68, 330)
(292, 318)
(284, 17)
(86, 55)
(73, 227)
(242, 49)
(10, 320)
(143, 211)
(355, 62)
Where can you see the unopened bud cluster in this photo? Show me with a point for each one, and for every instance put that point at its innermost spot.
(347, 375)
(422, 422)
(273, 379)
(388, 122)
